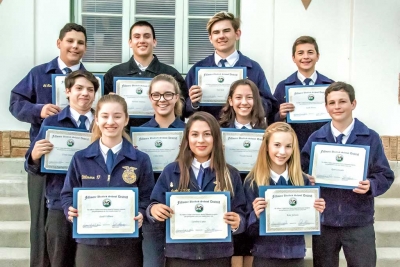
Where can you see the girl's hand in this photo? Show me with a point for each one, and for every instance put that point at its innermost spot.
(284, 109)
(195, 93)
(161, 212)
(139, 218)
(259, 204)
(363, 187)
(72, 212)
(319, 204)
(311, 179)
(233, 219)
(41, 147)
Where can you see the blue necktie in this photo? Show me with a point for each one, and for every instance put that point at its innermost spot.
(67, 70)
(244, 127)
(281, 181)
(307, 81)
(339, 139)
(110, 160)
(223, 61)
(82, 119)
(200, 176)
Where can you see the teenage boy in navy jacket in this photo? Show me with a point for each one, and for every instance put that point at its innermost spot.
(305, 55)
(348, 220)
(30, 102)
(224, 30)
(81, 87)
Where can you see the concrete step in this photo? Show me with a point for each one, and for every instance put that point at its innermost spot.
(13, 185)
(12, 165)
(394, 190)
(14, 209)
(387, 209)
(14, 234)
(14, 257)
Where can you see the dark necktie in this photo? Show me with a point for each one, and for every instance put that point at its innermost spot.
(200, 176)
(307, 81)
(223, 61)
(67, 70)
(244, 127)
(82, 119)
(110, 160)
(281, 181)
(339, 138)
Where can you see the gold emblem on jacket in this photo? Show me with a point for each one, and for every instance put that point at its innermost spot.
(129, 175)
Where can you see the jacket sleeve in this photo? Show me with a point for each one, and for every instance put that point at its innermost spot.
(305, 156)
(71, 180)
(108, 83)
(271, 106)
(253, 223)
(238, 202)
(22, 101)
(145, 184)
(190, 81)
(279, 95)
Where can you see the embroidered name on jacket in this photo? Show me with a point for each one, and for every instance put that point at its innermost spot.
(87, 177)
(129, 175)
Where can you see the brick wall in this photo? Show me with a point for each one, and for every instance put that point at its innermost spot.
(13, 144)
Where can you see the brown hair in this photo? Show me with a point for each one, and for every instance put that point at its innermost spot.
(170, 79)
(261, 172)
(223, 15)
(69, 27)
(217, 164)
(339, 86)
(71, 78)
(112, 98)
(228, 114)
(305, 40)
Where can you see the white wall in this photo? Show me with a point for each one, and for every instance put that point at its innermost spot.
(359, 42)
(29, 30)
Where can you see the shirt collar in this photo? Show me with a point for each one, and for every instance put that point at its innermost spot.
(75, 115)
(196, 164)
(140, 66)
(232, 59)
(313, 77)
(62, 65)
(238, 125)
(104, 149)
(346, 132)
(275, 177)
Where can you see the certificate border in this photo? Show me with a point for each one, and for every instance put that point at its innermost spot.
(44, 130)
(132, 79)
(53, 87)
(168, 222)
(217, 68)
(241, 131)
(262, 229)
(314, 144)
(288, 119)
(151, 129)
(75, 204)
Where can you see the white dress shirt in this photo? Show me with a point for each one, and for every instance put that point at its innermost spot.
(346, 132)
(231, 59)
(75, 115)
(313, 78)
(62, 65)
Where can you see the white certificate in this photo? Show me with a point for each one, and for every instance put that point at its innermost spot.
(309, 104)
(106, 212)
(241, 148)
(136, 94)
(198, 216)
(291, 210)
(161, 146)
(215, 83)
(65, 144)
(338, 165)
(61, 97)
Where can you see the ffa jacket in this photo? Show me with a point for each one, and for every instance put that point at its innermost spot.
(54, 181)
(88, 169)
(177, 123)
(254, 73)
(303, 130)
(278, 247)
(33, 92)
(168, 181)
(344, 208)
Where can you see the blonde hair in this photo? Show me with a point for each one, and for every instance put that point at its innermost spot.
(223, 15)
(96, 133)
(260, 174)
(168, 78)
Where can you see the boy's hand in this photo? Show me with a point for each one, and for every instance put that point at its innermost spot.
(72, 212)
(161, 212)
(41, 147)
(284, 109)
(195, 93)
(259, 204)
(139, 218)
(233, 219)
(311, 179)
(49, 110)
(319, 204)
(363, 187)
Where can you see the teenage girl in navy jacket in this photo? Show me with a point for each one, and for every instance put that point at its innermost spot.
(110, 140)
(201, 147)
(278, 163)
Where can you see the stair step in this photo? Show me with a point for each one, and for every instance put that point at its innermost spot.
(13, 185)
(387, 209)
(12, 165)
(14, 234)
(14, 209)
(14, 257)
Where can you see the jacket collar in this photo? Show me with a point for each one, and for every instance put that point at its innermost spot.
(359, 129)
(52, 67)
(66, 114)
(321, 79)
(177, 123)
(242, 62)
(153, 67)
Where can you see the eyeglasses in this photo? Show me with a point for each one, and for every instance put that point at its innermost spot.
(166, 96)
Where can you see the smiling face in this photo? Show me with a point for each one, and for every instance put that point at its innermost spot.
(111, 120)
(280, 149)
(339, 107)
(163, 107)
(223, 37)
(72, 47)
(142, 41)
(305, 58)
(242, 103)
(81, 95)
(200, 140)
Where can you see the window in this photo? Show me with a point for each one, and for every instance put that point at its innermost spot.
(180, 27)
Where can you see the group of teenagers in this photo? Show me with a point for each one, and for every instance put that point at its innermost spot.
(347, 216)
